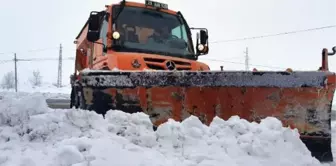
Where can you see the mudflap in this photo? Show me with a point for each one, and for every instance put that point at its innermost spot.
(300, 100)
(320, 147)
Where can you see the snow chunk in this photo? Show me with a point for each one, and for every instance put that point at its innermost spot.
(135, 127)
(17, 111)
(69, 155)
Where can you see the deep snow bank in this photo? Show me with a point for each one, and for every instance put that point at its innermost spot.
(31, 134)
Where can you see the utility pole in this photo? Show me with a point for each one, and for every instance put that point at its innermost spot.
(15, 67)
(246, 60)
(59, 76)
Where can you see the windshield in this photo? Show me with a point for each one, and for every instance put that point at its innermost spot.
(149, 31)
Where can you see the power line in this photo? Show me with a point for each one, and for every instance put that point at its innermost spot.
(38, 50)
(71, 58)
(233, 57)
(45, 59)
(2, 62)
(219, 41)
(214, 42)
(6, 60)
(16, 60)
(37, 59)
(272, 35)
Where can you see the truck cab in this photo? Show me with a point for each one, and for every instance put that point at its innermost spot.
(139, 36)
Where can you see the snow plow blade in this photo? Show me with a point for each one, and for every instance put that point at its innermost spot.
(300, 100)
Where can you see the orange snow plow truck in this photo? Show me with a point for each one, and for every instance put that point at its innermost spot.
(141, 57)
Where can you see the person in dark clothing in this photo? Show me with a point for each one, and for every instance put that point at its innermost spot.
(161, 35)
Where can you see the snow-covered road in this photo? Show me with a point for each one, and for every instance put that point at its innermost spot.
(31, 134)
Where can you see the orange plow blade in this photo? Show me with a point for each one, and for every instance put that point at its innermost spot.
(300, 100)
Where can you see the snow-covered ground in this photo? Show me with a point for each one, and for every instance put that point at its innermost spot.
(46, 94)
(31, 134)
(46, 89)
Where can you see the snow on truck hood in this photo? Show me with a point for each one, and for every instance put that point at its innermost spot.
(31, 134)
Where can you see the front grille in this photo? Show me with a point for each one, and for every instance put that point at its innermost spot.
(182, 63)
(184, 68)
(154, 60)
(155, 67)
(159, 64)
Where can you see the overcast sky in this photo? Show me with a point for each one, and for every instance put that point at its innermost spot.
(43, 24)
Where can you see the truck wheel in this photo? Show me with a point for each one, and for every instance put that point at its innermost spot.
(77, 99)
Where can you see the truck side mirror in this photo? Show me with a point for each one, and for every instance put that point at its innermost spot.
(203, 37)
(203, 46)
(93, 27)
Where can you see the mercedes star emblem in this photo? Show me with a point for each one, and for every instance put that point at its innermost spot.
(170, 65)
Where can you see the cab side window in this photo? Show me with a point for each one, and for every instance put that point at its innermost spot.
(181, 33)
(103, 32)
(178, 31)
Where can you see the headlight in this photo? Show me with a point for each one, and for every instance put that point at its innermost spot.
(200, 47)
(116, 35)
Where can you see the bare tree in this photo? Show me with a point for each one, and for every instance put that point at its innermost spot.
(36, 79)
(8, 81)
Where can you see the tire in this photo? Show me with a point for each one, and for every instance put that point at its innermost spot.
(77, 99)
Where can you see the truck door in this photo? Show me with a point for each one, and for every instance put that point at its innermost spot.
(99, 48)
